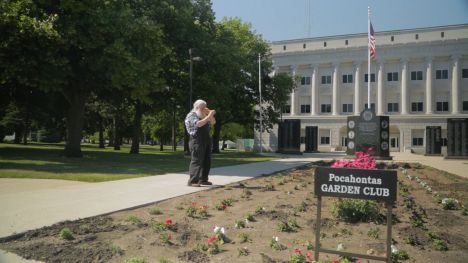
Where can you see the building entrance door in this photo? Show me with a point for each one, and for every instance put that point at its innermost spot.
(394, 144)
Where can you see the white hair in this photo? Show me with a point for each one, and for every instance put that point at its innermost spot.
(197, 104)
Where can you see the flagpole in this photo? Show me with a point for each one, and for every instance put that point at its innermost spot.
(260, 99)
(368, 58)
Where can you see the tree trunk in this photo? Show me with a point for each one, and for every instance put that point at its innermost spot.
(135, 149)
(18, 133)
(111, 135)
(101, 134)
(27, 126)
(161, 145)
(216, 135)
(117, 139)
(224, 144)
(75, 116)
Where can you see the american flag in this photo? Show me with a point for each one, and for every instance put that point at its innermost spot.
(373, 52)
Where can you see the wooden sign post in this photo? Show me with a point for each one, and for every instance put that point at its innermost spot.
(379, 185)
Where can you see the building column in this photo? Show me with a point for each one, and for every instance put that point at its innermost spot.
(455, 87)
(335, 89)
(429, 85)
(357, 88)
(293, 93)
(380, 95)
(404, 87)
(314, 91)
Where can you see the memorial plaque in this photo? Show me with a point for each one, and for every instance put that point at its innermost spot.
(289, 136)
(377, 185)
(457, 138)
(369, 131)
(311, 139)
(433, 140)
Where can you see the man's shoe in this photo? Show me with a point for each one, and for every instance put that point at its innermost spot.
(194, 185)
(206, 183)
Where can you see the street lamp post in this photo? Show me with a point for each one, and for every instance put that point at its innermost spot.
(260, 102)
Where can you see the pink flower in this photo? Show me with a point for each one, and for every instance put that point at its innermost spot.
(204, 207)
(212, 239)
(358, 261)
(335, 261)
(297, 251)
(309, 255)
(194, 203)
(168, 222)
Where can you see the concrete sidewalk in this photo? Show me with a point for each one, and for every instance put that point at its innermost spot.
(33, 203)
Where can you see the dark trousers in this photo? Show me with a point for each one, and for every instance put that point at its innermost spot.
(201, 160)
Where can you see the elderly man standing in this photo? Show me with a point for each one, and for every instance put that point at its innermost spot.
(198, 123)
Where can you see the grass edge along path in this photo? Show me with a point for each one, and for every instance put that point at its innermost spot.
(46, 161)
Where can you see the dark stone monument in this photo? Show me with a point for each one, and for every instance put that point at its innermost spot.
(311, 138)
(289, 136)
(457, 138)
(433, 140)
(369, 131)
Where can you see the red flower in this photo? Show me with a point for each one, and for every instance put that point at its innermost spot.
(309, 255)
(335, 261)
(194, 203)
(204, 207)
(297, 251)
(168, 222)
(212, 239)
(358, 261)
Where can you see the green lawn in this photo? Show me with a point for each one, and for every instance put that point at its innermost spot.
(46, 161)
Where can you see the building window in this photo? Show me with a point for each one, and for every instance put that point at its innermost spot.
(348, 78)
(304, 46)
(372, 77)
(442, 34)
(418, 141)
(346, 42)
(416, 106)
(324, 44)
(305, 108)
(392, 38)
(465, 73)
(392, 107)
(442, 74)
(392, 76)
(326, 79)
(286, 109)
(325, 108)
(372, 106)
(443, 141)
(416, 75)
(442, 106)
(465, 105)
(305, 81)
(416, 36)
(348, 108)
(284, 47)
(325, 140)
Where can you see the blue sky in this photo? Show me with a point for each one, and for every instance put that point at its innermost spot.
(288, 19)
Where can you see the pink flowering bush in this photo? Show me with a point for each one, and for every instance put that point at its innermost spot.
(363, 160)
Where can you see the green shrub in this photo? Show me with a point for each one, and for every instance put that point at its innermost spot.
(244, 237)
(158, 226)
(191, 211)
(164, 260)
(155, 211)
(439, 245)
(240, 223)
(135, 260)
(117, 250)
(297, 258)
(250, 217)
(134, 219)
(353, 211)
(400, 255)
(284, 227)
(66, 234)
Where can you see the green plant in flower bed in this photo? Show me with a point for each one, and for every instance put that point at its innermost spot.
(400, 255)
(191, 211)
(275, 244)
(269, 187)
(450, 204)
(158, 226)
(412, 240)
(285, 227)
(244, 237)
(250, 217)
(135, 260)
(297, 258)
(259, 210)
(403, 189)
(243, 251)
(416, 219)
(465, 211)
(164, 260)
(240, 223)
(374, 232)
(437, 242)
(292, 223)
(409, 203)
(165, 238)
(246, 193)
(353, 211)
(117, 250)
(155, 211)
(134, 219)
(227, 202)
(66, 234)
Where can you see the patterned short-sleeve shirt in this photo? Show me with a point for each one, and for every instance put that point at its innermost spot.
(191, 123)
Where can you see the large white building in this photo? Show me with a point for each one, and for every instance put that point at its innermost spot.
(420, 78)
